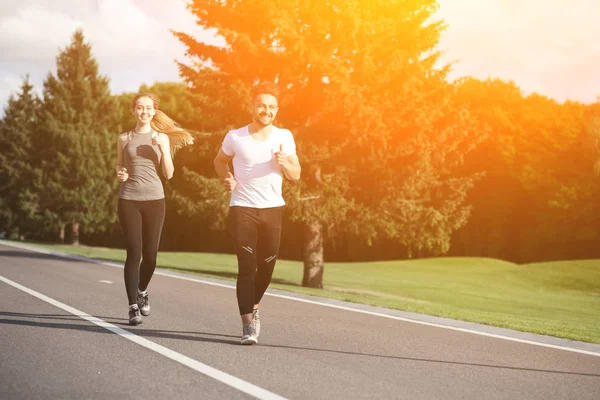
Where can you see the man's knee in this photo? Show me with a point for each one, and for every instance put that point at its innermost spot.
(270, 260)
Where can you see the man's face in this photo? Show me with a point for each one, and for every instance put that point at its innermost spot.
(264, 109)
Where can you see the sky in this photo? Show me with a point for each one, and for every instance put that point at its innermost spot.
(551, 47)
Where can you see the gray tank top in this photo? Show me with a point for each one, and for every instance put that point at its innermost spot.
(142, 161)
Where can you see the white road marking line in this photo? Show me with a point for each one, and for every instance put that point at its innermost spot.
(105, 281)
(376, 314)
(214, 373)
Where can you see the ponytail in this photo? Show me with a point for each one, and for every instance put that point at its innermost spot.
(178, 136)
(161, 122)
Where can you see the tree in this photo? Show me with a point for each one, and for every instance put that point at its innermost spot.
(78, 153)
(548, 165)
(18, 132)
(591, 133)
(536, 201)
(125, 121)
(498, 107)
(188, 218)
(377, 127)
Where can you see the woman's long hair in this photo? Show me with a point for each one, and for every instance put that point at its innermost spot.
(161, 122)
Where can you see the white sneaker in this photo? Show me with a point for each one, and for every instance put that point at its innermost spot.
(256, 322)
(249, 336)
(143, 303)
(134, 315)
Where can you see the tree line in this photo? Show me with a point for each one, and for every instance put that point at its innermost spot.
(397, 161)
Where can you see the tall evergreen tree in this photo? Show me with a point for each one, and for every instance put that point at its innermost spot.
(79, 153)
(18, 132)
(379, 133)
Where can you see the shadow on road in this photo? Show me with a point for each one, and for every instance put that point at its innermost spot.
(27, 319)
(32, 255)
(448, 362)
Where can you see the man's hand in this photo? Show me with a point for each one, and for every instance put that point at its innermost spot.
(122, 174)
(280, 158)
(230, 182)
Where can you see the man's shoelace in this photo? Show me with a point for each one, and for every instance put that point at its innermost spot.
(143, 300)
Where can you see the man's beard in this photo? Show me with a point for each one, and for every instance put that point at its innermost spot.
(259, 122)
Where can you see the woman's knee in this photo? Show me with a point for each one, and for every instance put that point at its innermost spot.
(149, 260)
(134, 256)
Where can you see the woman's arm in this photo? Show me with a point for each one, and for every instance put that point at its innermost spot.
(164, 145)
(122, 174)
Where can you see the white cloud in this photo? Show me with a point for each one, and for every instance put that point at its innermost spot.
(131, 40)
(548, 46)
(34, 33)
(9, 84)
(123, 34)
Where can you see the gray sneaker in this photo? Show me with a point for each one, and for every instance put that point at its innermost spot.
(134, 315)
(256, 322)
(143, 303)
(249, 336)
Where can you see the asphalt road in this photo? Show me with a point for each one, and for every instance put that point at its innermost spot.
(64, 334)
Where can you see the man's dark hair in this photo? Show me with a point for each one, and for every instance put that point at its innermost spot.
(265, 88)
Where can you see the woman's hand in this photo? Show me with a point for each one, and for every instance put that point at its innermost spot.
(161, 141)
(122, 174)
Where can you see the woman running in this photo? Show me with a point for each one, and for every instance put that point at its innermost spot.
(143, 154)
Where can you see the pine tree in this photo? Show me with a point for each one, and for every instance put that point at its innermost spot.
(78, 153)
(380, 134)
(18, 132)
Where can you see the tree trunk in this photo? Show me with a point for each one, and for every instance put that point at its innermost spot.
(313, 255)
(75, 233)
(61, 233)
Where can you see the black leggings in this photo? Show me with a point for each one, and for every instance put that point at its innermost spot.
(256, 234)
(141, 224)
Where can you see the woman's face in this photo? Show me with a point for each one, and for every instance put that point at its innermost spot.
(143, 110)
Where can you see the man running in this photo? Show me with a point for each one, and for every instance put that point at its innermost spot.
(262, 155)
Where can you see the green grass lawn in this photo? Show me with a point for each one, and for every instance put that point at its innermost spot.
(556, 298)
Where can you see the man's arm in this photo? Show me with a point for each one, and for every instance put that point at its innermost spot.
(291, 168)
(290, 165)
(221, 164)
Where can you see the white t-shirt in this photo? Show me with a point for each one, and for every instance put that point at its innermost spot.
(258, 177)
